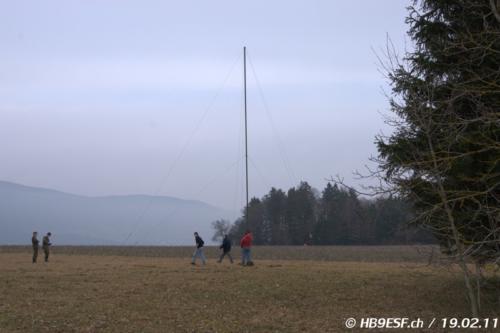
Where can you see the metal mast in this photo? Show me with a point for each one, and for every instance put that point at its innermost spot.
(246, 133)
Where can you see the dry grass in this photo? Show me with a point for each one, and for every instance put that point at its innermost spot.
(87, 293)
(396, 253)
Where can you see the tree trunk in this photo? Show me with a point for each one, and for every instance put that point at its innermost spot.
(462, 260)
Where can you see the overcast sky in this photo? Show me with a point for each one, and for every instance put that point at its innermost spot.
(123, 97)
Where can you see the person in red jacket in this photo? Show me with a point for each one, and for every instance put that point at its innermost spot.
(246, 245)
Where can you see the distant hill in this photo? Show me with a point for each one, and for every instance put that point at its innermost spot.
(81, 220)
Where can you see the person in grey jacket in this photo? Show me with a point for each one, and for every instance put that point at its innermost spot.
(46, 245)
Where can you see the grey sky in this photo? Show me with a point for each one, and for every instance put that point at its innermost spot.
(100, 97)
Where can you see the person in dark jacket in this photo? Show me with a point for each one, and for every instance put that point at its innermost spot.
(34, 243)
(199, 250)
(226, 249)
(46, 245)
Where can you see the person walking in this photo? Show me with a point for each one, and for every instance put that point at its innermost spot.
(34, 243)
(246, 246)
(199, 250)
(46, 245)
(226, 249)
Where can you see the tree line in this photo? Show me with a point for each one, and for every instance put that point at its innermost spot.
(335, 216)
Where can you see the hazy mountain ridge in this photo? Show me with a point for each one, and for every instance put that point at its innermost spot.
(76, 219)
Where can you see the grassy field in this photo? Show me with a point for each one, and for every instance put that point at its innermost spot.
(416, 253)
(156, 290)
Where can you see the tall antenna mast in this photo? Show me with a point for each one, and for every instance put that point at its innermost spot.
(246, 133)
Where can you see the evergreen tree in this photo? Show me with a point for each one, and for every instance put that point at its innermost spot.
(444, 154)
(391, 219)
(300, 213)
(275, 217)
(338, 217)
(256, 222)
(326, 232)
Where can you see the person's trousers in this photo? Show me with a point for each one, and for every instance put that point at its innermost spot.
(47, 252)
(35, 253)
(199, 253)
(226, 254)
(245, 256)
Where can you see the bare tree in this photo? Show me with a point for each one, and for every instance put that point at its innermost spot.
(444, 153)
(221, 228)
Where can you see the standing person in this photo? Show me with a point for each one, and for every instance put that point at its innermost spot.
(199, 250)
(34, 243)
(246, 245)
(46, 245)
(226, 249)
